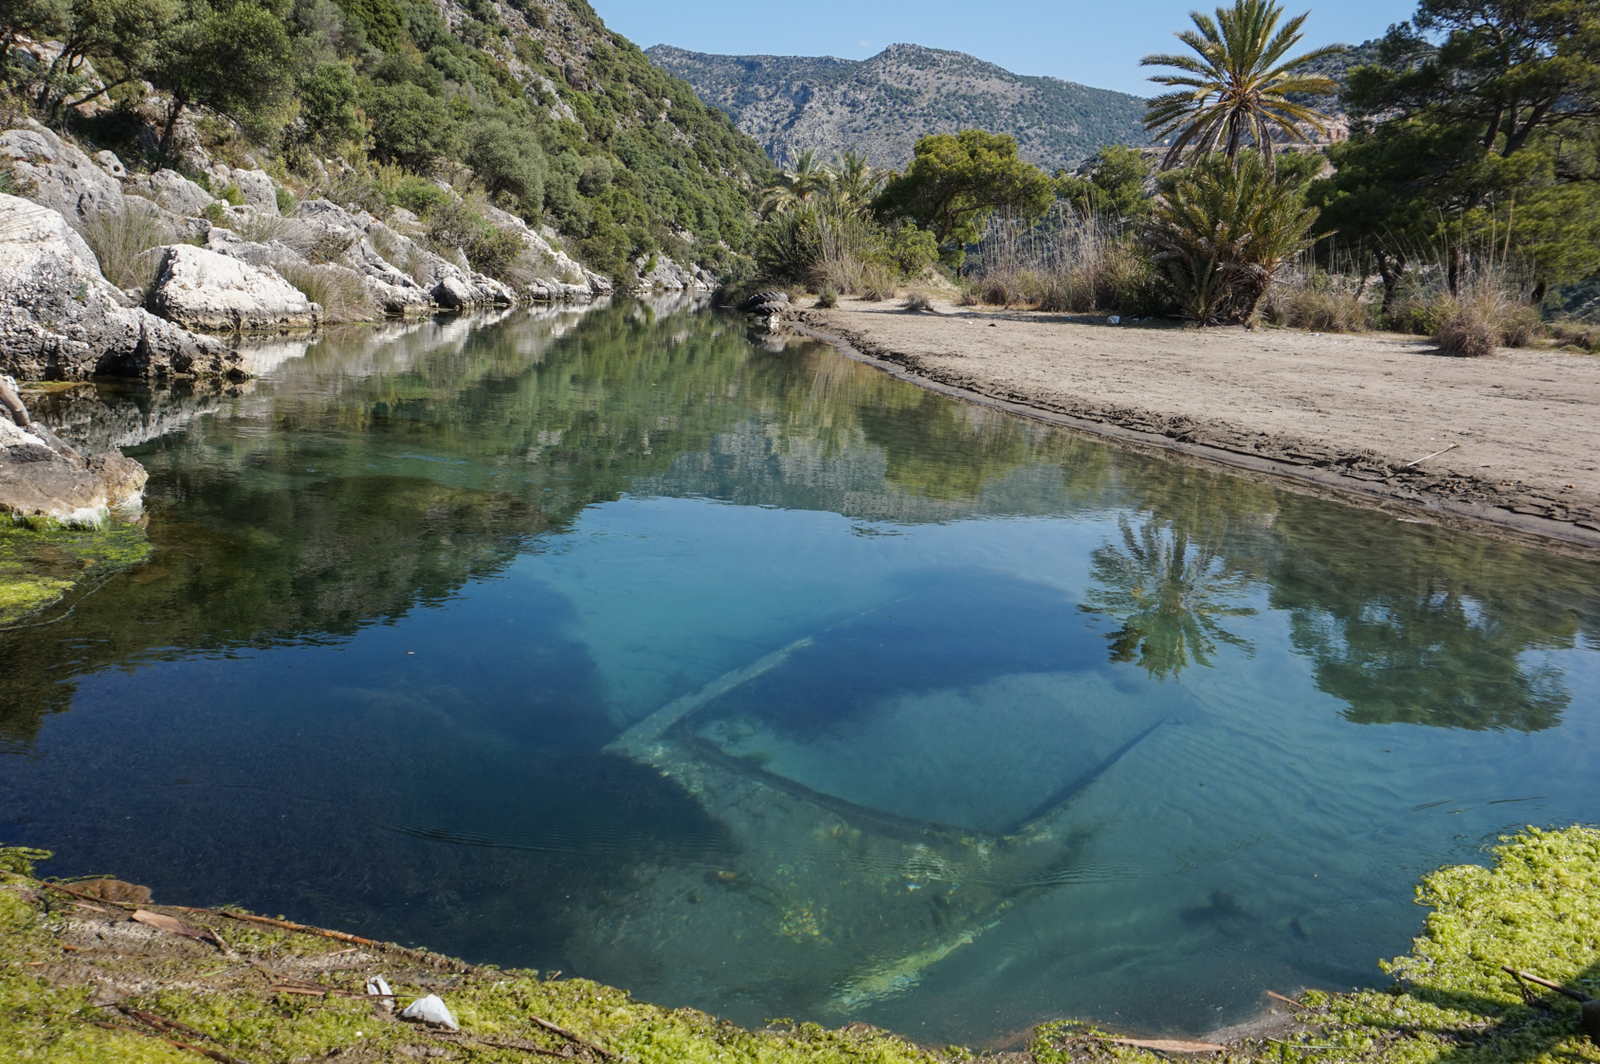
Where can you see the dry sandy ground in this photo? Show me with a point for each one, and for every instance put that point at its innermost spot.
(1346, 412)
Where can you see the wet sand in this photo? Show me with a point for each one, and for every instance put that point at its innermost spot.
(1343, 415)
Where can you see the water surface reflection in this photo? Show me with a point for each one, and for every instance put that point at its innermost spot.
(749, 678)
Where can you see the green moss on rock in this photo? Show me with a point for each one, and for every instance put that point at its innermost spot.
(40, 565)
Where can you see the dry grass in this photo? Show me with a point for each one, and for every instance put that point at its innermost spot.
(918, 301)
(1065, 263)
(127, 242)
(341, 291)
(877, 283)
(1319, 301)
(1485, 312)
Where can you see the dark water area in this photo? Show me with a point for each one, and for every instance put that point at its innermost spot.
(746, 677)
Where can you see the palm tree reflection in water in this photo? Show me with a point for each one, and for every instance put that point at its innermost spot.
(1170, 591)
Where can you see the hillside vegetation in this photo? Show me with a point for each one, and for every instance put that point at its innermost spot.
(534, 104)
(881, 106)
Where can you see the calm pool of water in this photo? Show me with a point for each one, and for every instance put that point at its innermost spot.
(751, 679)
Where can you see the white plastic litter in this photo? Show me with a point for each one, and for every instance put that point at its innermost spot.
(376, 985)
(430, 1010)
(1115, 319)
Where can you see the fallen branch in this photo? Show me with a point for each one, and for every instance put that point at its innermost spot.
(569, 1036)
(1286, 1000)
(214, 1054)
(519, 1045)
(1425, 457)
(1166, 1045)
(173, 925)
(86, 897)
(1547, 984)
(286, 925)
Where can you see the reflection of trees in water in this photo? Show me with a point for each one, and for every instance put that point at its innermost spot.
(1429, 626)
(1179, 575)
(1169, 590)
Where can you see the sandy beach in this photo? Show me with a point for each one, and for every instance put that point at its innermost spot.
(1349, 415)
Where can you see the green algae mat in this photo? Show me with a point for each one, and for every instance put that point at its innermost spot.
(84, 978)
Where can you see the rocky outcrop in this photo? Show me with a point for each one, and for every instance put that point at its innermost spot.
(41, 477)
(257, 189)
(664, 275)
(61, 320)
(175, 192)
(200, 289)
(54, 173)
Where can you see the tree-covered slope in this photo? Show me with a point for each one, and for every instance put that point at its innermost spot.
(883, 104)
(635, 162)
(533, 104)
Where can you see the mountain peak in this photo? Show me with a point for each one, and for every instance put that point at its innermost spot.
(881, 105)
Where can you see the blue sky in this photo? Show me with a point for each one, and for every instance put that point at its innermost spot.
(1094, 42)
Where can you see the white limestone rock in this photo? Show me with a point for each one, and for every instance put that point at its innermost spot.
(56, 174)
(258, 189)
(201, 289)
(177, 193)
(60, 319)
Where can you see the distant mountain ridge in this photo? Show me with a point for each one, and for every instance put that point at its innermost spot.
(883, 104)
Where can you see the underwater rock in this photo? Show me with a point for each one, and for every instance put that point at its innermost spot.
(42, 477)
(430, 1010)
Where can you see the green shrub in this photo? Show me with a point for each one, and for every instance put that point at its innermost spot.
(1220, 233)
(232, 195)
(418, 195)
(213, 213)
(828, 297)
(285, 198)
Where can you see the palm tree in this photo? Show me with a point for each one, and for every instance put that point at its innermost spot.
(1238, 89)
(855, 183)
(798, 185)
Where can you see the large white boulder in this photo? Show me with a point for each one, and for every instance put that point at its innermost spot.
(61, 320)
(177, 193)
(201, 289)
(258, 190)
(52, 172)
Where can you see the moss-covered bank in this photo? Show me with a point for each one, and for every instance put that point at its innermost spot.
(80, 980)
(41, 562)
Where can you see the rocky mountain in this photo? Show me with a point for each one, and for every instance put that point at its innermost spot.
(883, 104)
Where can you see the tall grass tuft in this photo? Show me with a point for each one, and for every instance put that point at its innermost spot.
(127, 242)
(341, 291)
(1487, 310)
(1310, 298)
(1066, 263)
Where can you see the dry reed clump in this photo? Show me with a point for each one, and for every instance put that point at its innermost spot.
(127, 243)
(1317, 301)
(1482, 316)
(918, 301)
(877, 283)
(1065, 263)
(341, 291)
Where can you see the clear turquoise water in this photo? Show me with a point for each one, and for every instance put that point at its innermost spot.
(424, 649)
